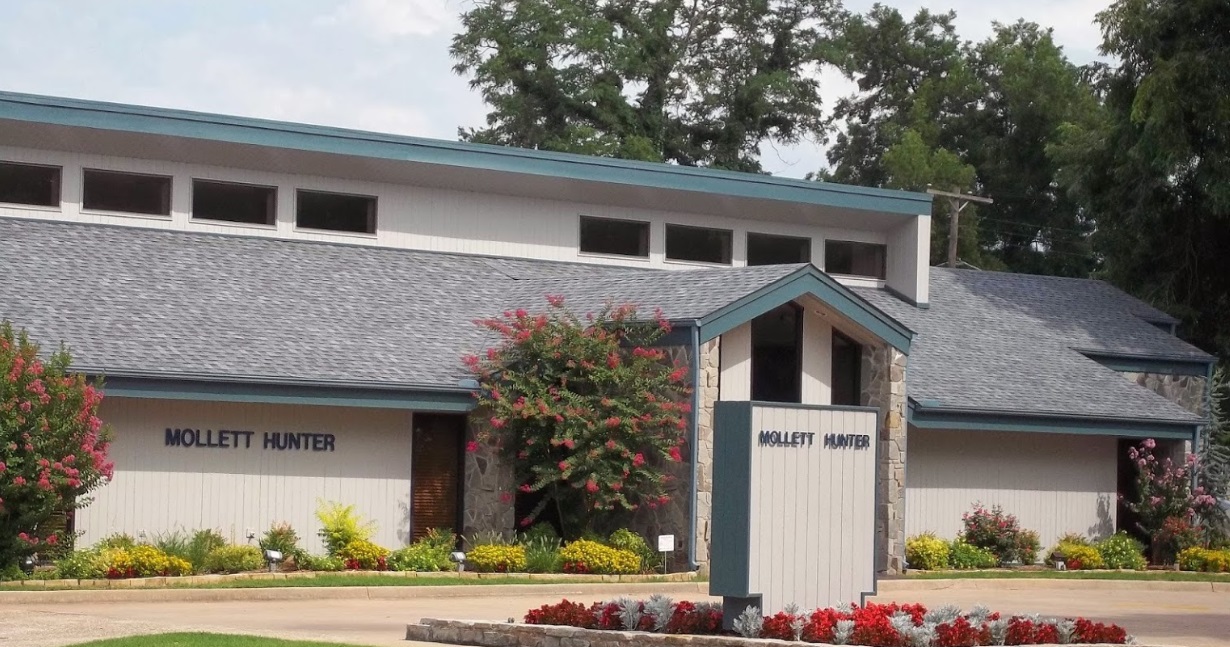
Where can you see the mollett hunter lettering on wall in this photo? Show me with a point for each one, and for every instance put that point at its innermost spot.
(843, 441)
(231, 439)
(787, 438)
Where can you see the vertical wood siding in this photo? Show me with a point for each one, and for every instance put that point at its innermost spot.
(817, 357)
(812, 510)
(1053, 483)
(409, 216)
(158, 488)
(735, 381)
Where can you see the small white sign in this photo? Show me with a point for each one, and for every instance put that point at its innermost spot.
(666, 543)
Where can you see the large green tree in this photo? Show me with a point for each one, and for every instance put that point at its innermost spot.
(1155, 171)
(696, 82)
(932, 110)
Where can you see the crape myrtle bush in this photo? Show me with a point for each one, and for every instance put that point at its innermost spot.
(1000, 533)
(53, 446)
(587, 411)
(878, 625)
(1169, 509)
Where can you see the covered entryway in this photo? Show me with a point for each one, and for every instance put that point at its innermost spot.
(435, 474)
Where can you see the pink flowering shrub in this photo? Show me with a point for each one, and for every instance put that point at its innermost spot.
(1168, 507)
(589, 412)
(53, 447)
(1000, 533)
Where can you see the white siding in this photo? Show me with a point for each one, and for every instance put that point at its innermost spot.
(1053, 483)
(158, 488)
(812, 511)
(909, 259)
(735, 351)
(409, 216)
(817, 358)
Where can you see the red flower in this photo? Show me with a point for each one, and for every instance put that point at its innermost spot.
(556, 300)
(591, 486)
(563, 466)
(676, 455)
(638, 460)
(678, 374)
(472, 446)
(497, 422)
(613, 421)
(569, 443)
(610, 444)
(525, 487)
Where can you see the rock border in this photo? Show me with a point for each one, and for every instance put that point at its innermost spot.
(504, 634)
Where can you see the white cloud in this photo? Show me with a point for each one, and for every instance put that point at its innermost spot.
(395, 18)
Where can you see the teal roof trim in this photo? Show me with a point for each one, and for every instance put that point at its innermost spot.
(459, 401)
(808, 280)
(928, 418)
(341, 141)
(1197, 367)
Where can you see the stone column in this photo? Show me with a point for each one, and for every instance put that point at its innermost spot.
(489, 488)
(707, 384)
(883, 387)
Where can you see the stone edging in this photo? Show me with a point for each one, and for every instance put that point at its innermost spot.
(908, 585)
(502, 634)
(199, 580)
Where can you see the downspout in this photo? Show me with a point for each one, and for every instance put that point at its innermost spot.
(693, 564)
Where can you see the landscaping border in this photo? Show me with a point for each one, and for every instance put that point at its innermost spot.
(503, 634)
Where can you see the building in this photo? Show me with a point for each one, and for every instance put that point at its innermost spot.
(280, 311)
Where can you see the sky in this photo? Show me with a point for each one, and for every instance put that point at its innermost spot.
(379, 65)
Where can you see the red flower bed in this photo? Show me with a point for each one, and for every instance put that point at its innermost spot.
(874, 625)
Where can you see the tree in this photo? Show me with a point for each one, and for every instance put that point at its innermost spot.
(1154, 171)
(981, 118)
(53, 446)
(695, 83)
(587, 413)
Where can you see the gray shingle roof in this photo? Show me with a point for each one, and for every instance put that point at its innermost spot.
(139, 301)
(1009, 342)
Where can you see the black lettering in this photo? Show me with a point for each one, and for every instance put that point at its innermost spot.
(209, 438)
(766, 438)
(292, 441)
(271, 440)
(318, 442)
(189, 438)
(224, 438)
(811, 437)
(329, 438)
(175, 437)
(247, 435)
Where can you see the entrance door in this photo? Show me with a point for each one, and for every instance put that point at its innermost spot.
(435, 473)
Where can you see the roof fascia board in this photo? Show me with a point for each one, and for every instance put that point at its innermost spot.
(1144, 364)
(459, 401)
(807, 280)
(991, 421)
(340, 141)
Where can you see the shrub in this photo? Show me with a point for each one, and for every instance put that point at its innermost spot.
(342, 525)
(926, 552)
(117, 540)
(1121, 550)
(1205, 559)
(539, 531)
(1079, 557)
(202, 544)
(964, 556)
(116, 563)
(81, 564)
(1165, 496)
(440, 538)
(999, 533)
(234, 559)
(624, 539)
(491, 558)
(363, 555)
(586, 556)
(588, 412)
(323, 563)
(173, 543)
(421, 556)
(53, 446)
(283, 538)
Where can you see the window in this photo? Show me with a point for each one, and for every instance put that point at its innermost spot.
(30, 184)
(777, 355)
(128, 192)
(846, 385)
(620, 237)
(855, 259)
(335, 212)
(230, 202)
(767, 249)
(699, 244)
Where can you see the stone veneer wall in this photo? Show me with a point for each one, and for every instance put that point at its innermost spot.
(488, 497)
(883, 376)
(1187, 391)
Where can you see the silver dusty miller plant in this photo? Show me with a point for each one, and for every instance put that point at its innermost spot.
(843, 631)
(750, 623)
(902, 622)
(946, 613)
(660, 608)
(1066, 629)
(797, 622)
(979, 614)
(629, 613)
(999, 631)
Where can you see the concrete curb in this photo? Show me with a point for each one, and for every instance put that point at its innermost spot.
(1040, 584)
(349, 592)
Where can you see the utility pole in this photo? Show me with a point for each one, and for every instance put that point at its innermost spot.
(958, 201)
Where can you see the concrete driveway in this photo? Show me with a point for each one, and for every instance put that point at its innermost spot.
(1190, 618)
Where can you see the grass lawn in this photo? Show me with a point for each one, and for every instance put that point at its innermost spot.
(1148, 576)
(201, 640)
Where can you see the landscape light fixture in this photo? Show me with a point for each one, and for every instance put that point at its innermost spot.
(459, 558)
(274, 557)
